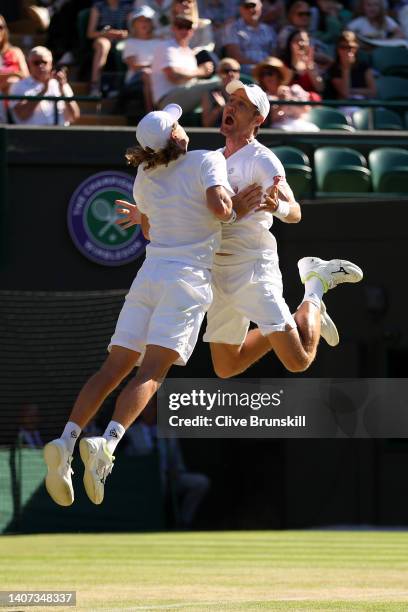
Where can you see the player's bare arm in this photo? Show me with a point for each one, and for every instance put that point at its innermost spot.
(219, 202)
(144, 222)
(279, 193)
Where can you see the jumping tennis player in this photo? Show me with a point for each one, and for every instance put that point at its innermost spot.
(184, 196)
(247, 282)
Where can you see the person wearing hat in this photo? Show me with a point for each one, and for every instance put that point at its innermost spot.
(247, 282)
(140, 46)
(176, 76)
(163, 311)
(138, 55)
(270, 74)
(248, 40)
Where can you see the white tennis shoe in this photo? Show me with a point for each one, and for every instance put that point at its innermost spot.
(59, 477)
(98, 464)
(331, 273)
(328, 329)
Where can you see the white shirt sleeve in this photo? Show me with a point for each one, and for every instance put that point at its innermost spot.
(138, 191)
(266, 167)
(214, 171)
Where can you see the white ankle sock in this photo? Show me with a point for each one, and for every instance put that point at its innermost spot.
(113, 434)
(70, 435)
(314, 291)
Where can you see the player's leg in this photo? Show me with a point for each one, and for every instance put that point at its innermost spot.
(58, 453)
(119, 363)
(125, 348)
(182, 296)
(294, 344)
(97, 452)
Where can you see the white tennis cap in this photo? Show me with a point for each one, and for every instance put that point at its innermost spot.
(254, 93)
(154, 129)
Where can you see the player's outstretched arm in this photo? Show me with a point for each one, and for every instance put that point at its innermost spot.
(280, 201)
(128, 214)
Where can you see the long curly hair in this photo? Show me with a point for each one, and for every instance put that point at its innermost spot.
(4, 45)
(152, 159)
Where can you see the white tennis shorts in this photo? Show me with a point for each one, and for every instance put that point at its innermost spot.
(244, 292)
(165, 306)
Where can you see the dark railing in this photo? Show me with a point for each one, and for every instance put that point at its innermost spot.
(370, 104)
(55, 100)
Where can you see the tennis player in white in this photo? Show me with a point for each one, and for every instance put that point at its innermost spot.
(247, 282)
(185, 196)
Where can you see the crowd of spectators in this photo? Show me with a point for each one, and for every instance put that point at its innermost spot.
(186, 51)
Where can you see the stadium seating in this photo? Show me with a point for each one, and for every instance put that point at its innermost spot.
(340, 170)
(391, 61)
(329, 119)
(389, 169)
(392, 88)
(297, 168)
(382, 119)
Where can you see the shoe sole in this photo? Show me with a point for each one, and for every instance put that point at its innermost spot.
(60, 492)
(354, 272)
(88, 479)
(332, 338)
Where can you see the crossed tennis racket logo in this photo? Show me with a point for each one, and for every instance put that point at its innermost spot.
(104, 212)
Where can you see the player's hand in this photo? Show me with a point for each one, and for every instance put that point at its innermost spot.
(129, 214)
(247, 200)
(270, 202)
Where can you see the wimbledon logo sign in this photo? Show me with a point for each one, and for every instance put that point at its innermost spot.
(91, 220)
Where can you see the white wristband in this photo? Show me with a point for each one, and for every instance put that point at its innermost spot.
(283, 209)
(231, 219)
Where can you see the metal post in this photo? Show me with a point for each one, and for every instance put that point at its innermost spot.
(3, 191)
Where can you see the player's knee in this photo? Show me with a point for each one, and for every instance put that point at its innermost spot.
(224, 370)
(297, 363)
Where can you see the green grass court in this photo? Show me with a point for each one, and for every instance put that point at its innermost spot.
(295, 570)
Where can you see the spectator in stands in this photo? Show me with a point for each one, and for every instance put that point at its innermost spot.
(29, 434)
(349, 78)
(162, 8)
(221, 14)
(332, 19)
(299, 17)
(373, 21)
(203, 38)
(60, 20)
(271, 73)
(42, 14)
(189, 488)
(13, 66)
(299, 57)
(176, 76)
(43, 81)
(107, 26)
(292, 118)
(213, 101)
(274, 13)
(248, 40)
(138, 56)
(303, 16)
